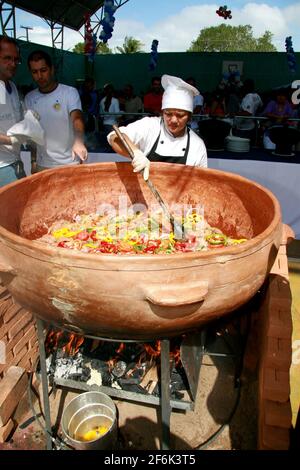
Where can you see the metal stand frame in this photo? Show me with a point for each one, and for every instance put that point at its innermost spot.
(192, 350)
(164, 401)
(45, 388)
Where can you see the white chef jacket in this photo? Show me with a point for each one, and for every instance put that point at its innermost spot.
(144, 133)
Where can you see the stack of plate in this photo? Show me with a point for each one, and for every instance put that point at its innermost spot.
(237, 144)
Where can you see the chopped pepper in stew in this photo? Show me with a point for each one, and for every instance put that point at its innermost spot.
(138, 233)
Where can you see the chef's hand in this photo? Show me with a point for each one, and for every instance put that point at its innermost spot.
(141, 163)
(79, 150)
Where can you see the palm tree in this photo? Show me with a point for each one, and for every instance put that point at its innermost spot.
(130, 46)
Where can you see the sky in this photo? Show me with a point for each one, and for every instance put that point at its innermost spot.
(176, 23)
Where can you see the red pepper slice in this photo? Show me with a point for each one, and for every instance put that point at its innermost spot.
(150, 249)
(83, 236)
(180, 246)
(93, 235)
(105, 247)
(152, 245)
(192, 239)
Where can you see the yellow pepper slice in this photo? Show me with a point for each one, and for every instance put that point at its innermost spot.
(65, 232)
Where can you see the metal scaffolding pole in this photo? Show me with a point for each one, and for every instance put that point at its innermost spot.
(8, 19)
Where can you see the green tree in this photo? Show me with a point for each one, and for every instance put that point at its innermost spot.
(130, 46)
(225, 38)
(264, 43)
(79, 48)
(102, 48)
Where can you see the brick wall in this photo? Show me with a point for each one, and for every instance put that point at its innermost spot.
(275, 333)
(18, 355)
(18, 339)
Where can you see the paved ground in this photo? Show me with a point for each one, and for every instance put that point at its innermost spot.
(294, 271)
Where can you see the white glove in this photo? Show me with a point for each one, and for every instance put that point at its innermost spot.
(28, 129)
(18, 139)
(141, 163)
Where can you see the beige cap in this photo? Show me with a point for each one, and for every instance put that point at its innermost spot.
(178, 94)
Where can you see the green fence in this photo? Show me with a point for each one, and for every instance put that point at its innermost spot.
(70, 67)
(269, 70)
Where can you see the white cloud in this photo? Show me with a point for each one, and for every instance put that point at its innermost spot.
(124, 28)
(176, 32)
(263, 17)
(42, 35)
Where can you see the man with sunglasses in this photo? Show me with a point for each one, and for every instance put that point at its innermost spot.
(11, 166)
(166, 138)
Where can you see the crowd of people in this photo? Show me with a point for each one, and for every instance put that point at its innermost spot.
(232, 102)
(72, 120)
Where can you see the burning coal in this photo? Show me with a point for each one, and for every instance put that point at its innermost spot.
(128, 366)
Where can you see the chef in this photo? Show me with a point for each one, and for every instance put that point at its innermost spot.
(166, 138)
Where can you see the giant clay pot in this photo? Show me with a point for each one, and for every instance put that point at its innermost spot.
(135, 296)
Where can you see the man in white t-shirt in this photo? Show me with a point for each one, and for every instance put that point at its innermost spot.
(11, 166)
(251, 103)
(60, 112)
(109, 104)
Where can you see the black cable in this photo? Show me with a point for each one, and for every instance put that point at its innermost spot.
(238, 385)
(57, 441)
(227, 422)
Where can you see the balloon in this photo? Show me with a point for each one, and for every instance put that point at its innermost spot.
(154, 55)
(291, 58)
(222, 11)
(90, 44)
(108, 20)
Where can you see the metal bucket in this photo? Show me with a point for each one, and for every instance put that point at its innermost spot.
(89, 422)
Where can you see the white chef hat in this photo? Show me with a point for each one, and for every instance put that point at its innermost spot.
(178, 94)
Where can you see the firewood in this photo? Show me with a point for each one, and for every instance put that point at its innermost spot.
(150, 379)
(6, 430)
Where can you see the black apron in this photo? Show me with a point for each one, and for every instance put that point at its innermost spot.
(155, 157)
